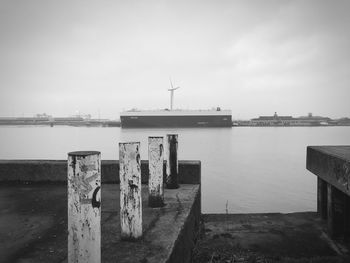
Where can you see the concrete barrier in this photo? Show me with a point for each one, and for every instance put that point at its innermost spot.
(189, 234)
(55, 171)
(331, 165)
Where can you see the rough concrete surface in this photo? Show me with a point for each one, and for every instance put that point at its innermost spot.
(295, 237)
(33, 224)
(331, 164)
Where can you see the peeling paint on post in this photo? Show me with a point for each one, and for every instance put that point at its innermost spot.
(155, 164)
(172, 166)
(84, 206)
(130, 190)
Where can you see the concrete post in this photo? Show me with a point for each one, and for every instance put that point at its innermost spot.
(155, 164)
(172, 166)
(336, 211)
(347, 217)
(130, 190)
(84, 206)
(322, 198)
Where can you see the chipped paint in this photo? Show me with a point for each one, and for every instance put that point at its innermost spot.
(155, 180)
(172, 166)
(84, 207)
(130, 191)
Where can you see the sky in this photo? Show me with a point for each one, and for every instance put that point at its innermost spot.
(102, 57)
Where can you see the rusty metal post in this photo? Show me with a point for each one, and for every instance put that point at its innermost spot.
(84, 206)
(172, 166)
(130, 190)
(155, 179)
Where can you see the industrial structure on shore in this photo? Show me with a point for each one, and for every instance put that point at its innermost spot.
(309, 120)
(44, 119)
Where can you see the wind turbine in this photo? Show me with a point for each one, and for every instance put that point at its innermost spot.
(172, 94)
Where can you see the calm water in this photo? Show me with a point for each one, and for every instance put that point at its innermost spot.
(249, 169)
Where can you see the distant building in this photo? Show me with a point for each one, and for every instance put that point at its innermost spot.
(276, 120)
(313, 120)
(42, 116)
(343, 121)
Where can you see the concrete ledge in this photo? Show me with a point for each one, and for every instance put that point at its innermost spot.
(293, 238)
(189, 234)
(56, 171)
(332, 164)
(33, 225)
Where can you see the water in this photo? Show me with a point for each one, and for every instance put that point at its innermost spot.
(250, 169)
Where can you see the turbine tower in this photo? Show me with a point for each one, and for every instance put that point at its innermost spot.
(172, 94)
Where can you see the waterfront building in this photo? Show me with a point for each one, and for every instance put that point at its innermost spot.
(276, 120)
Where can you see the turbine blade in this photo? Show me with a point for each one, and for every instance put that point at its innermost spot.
(171, 83)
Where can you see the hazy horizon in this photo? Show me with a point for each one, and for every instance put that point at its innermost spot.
(102, 57)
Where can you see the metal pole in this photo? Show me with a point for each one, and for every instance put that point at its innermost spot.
(172, 166)
(130, 190)
(84, 206)
(155, 164)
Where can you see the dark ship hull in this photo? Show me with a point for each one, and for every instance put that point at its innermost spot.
(173, 119)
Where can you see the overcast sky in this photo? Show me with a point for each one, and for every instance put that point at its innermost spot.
(254, 57)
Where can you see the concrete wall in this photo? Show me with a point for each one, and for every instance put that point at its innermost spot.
(331, 164)
(56, 171)
(189, 234)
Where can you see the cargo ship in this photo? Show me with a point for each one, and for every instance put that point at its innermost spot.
(176, 118)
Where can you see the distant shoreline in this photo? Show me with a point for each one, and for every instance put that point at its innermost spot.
(286, 126)
(117, 124)
(72, 124)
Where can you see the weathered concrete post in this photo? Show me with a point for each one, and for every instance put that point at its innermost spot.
(322, 198)
(130, 190)
(347, 217)
(172, 166)
(336, 211)
(84, 206)
(155, 164)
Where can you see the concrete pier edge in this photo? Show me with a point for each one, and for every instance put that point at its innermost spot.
(55, 172)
